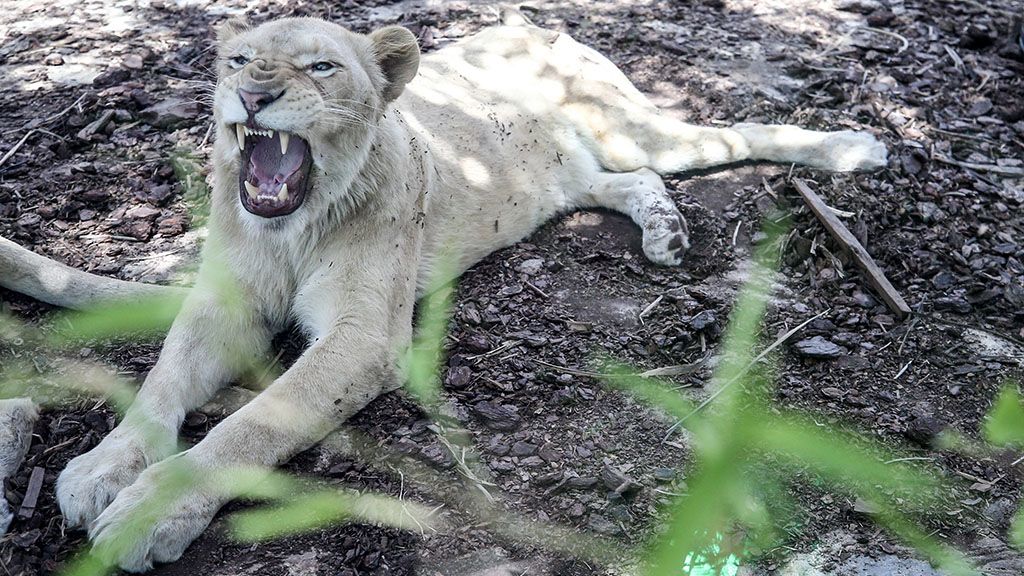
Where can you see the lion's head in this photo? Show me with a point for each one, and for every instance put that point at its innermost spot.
(296, 97)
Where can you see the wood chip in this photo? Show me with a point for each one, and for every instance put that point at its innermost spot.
(35, 485)
(849, 242)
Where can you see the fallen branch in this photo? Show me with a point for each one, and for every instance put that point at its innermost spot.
(850, 244)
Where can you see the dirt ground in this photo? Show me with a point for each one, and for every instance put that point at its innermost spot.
(97, 94)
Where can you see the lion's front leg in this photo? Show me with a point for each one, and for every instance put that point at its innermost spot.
(157, 517)
(205, 347)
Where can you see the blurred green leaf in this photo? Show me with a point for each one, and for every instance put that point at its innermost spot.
(1017, 530)
(323, 508)
(150, 318)
(1005, 423)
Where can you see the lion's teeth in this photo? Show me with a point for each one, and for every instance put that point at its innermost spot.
(252, 190)
(240, 133)
(284, 142)
(283, 194)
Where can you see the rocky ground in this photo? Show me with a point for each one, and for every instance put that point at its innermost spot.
(97, 96)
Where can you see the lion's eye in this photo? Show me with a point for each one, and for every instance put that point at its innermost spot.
(237, 62)
(323, 67)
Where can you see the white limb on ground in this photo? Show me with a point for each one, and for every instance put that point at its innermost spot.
(17, 416)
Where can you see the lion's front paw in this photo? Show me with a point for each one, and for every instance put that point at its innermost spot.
(91, 481)
(850, 151)
(154, 519)
(666, 239)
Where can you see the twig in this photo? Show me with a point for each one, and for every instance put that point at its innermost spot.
(903, 41)
(993, 168)
(16, 146)
(902, 370)
(909, 459)
(778, 342)
(647, 309)
(675, 370)
(849, 242)
(539, 292)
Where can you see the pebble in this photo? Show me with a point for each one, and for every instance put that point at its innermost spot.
(531, 267)
(819, 347)
(496, 417)
(924, 429)
(171, 113)
(614, 479)
(603, 525)
(703, 320)
(523, 449)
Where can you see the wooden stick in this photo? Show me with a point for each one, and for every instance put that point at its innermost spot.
(849, 243)
(35, 485)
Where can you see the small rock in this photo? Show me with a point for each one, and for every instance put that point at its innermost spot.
(860, 6)
(142, 213)
(881, 18)
(157, 194)
(139, 229)
(930, 212)
(339, 470)
(925, 429)
(171, 113)
(943, 279)
(522, 449)
(477, 343)
(614, 479)
(664, 475)
(172, 225)
(957, 304)
(531, 267)
(602, 525)
(548, 452)
(980, 107)
(1000, 512)
(831, 392)
(496, 416)
(703, 320)
(819, 347)
(132, 62)
(459, 377)
(53, 59)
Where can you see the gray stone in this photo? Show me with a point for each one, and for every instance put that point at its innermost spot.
(819, 347)
(171, 113)
(531, 267)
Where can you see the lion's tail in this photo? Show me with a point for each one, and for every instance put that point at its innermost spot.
(28, 273)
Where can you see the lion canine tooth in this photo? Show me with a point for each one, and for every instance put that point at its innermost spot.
(283, 194)
(251, 189)
(240, 133)
(284, 142)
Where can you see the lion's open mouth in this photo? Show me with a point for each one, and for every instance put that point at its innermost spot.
(274, 174)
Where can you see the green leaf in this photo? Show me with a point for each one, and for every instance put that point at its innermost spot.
(1017, 530)
(325, 507)
(151, 316)
(1005, 423)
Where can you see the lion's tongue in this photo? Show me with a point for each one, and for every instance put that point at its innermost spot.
(270, 166)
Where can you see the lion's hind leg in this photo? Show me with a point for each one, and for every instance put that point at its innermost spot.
(641, 195)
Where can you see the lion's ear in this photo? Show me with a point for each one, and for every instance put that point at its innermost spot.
(230, 28)
(398, 55)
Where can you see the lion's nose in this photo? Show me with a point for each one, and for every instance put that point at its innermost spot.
(256, 101)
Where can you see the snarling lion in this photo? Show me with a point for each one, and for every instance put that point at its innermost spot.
(344, 167)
